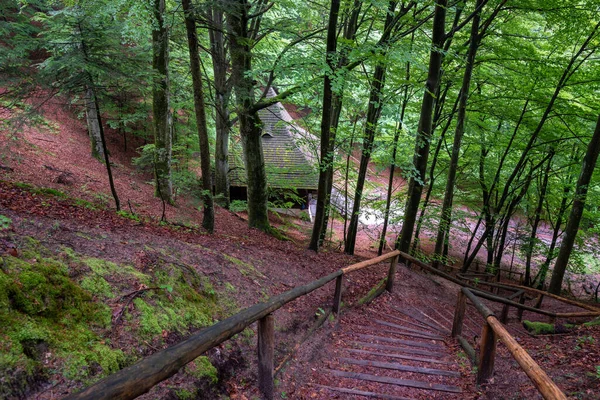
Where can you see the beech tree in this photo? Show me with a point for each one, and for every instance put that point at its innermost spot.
(587, 169)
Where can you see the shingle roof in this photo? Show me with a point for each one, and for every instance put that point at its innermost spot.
(285, 163)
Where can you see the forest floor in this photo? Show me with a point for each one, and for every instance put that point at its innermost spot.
(56, 199)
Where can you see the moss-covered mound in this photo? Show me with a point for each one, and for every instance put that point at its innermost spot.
(58, 313)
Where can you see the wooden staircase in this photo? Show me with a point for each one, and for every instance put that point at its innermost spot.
(403, 354)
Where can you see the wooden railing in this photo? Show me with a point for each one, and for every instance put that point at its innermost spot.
(492, 331)
(139, 378)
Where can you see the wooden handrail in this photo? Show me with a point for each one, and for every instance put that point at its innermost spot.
(493, 330)
(593, 311)
(368, 263)
(139, 378)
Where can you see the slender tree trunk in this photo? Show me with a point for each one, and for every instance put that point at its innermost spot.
(91, 117)
(540, 278)
(423, 140)
(326, 140)
(208, 221)
(222, 97)
(111, 181)
(373, 113)
(446, 214)
(536, 219)
(388, 199)
(587, 170)
(346, 179)
(506, 223)
(160, 105)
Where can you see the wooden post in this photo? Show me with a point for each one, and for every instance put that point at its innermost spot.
(538, 304)
(487, 354)
(504, 314)
(459, 313)
(337, 297)
(266, 342)
(391, 274)
(520, 311)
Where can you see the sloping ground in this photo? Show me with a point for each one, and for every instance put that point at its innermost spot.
(234, 270)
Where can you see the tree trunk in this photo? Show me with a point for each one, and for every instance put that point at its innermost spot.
(160, 105)
(222, 97)
(587, 170)
(415, 187)
(326, 140)
(208, 221)
(373, 112)
(93, 124)
(249, 122)
(536, 219)
(446, 214)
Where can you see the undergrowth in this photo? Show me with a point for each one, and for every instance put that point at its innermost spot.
(58, 315)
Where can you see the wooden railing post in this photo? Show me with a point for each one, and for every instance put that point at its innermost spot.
(391, 274)
(459, 314)
(487, 354)
(520, 311)
(266, 341)
(337, 296)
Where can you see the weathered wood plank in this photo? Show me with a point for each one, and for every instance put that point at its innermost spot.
(400, 367)
(399, 356)
(434, 325)
(403, 328)
(405, 321)
(401, 341)
(400, 332)
(395, 381)
(363, 393)
(407, 350)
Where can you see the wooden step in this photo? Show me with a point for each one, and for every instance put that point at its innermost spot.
(403, 328)
(395, 381)
(401, 357)
(400, 367)
(423, 319)
(363, 393)
(401, 341)
(400, 332)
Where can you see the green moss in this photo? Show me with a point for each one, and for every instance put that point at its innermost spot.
(184, 394)
(538, 328)
(202, 368)
(245, 269)
(41, 305)
(128, 215)
(97, 286)
(48, 318)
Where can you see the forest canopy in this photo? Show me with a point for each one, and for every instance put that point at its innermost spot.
(488, 109)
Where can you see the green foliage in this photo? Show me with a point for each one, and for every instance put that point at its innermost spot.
(128, 215)
(238, 206)
(5, 222)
